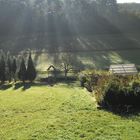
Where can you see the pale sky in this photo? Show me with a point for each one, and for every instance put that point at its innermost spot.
(124, 1)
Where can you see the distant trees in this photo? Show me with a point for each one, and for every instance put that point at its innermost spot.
(66, 61)
(14, 69)
(28, 73)
(22, 71)
(85, 17)
(2, 69)
(9, 69)
(112, 6)
(108, 7)
(31, 72)
(39, 13)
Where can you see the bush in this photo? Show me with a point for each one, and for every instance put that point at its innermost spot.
(111, 91)
(83, 79)
(60, 79)
(89, 79)
(118, 91)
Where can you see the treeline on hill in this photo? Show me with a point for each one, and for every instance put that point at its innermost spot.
(30, 23)
(130, 8)
(117, 93)
(13, 69)
(32, 16)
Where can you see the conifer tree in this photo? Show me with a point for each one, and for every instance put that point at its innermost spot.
(31, 71)
(14, 68)
(9, 66)
(2, 69)
(22, 71)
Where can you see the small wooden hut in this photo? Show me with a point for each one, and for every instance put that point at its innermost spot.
(51, 71)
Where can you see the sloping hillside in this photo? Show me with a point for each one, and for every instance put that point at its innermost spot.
(88, 51)
(94, 35)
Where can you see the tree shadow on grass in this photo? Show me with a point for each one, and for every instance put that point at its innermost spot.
(5, 86)
(18, 85)
(24, 86)
(123, 112)
(70, 82)
(51, 81)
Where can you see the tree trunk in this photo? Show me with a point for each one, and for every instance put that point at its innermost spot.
(66, 73)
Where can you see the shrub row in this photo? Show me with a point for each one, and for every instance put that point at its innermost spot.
(118, 91)
(113, 91)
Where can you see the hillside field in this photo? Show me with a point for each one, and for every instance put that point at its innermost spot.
(62, 112)
(92, 51)
(89, 60)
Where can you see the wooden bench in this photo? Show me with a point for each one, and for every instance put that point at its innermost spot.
(123, 69)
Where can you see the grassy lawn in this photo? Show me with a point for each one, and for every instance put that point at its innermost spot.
(61, 112)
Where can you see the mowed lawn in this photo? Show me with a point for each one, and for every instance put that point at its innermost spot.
(61, 112)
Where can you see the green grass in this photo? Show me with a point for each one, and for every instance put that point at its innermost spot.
(61, 112)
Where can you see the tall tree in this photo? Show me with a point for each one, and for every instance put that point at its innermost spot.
(9, 66)
(66, 63)
(2, 69)
(22, 71)
(14, 68)
(31, 71)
